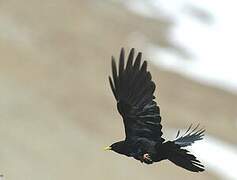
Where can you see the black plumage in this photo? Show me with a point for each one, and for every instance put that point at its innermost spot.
(133, 90)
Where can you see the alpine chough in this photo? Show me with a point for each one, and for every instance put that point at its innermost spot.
(133, 89)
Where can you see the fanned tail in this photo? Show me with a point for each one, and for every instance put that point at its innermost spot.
(183, 158)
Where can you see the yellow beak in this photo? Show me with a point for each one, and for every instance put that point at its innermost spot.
(107, 148)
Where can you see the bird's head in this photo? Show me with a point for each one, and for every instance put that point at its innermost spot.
(118, 147)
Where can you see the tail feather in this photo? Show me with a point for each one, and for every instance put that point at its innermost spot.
(189, 137)
(183, 158)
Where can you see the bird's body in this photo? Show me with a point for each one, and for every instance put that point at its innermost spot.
(133, 90)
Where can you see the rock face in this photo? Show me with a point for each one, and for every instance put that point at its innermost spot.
(56, 108)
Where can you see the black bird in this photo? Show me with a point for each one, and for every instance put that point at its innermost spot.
(133, 90)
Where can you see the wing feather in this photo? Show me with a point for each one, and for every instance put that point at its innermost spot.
(133, 89)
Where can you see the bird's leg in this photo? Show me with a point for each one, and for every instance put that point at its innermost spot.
(147, 158)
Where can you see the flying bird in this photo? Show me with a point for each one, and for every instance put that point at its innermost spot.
(133, 89)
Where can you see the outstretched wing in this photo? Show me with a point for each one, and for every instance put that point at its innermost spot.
(189, 137)
(133, 89)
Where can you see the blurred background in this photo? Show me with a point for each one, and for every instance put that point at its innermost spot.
(57, 111)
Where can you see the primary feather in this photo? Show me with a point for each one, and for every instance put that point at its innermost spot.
(190, 136)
